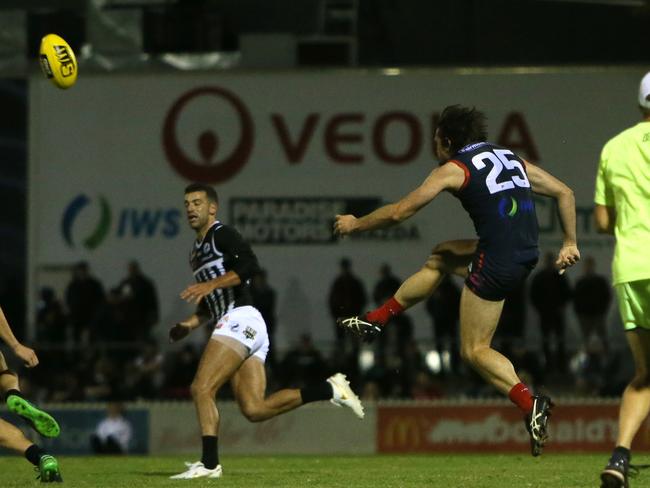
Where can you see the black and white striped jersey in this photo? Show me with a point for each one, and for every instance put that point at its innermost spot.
(223, 249)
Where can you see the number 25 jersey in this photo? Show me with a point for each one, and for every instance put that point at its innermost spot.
(497, 195)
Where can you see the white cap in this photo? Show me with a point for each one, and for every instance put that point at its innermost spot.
(644, 91)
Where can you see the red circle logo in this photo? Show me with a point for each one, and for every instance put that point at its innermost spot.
(210, 168)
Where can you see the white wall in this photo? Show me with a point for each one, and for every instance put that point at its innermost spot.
(105, 138)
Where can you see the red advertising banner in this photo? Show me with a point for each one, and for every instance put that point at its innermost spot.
(497, 428)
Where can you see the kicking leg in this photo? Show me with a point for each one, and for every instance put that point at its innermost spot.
(451, 257)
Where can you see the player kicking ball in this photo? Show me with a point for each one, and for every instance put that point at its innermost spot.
(223, 264)
(495, 187)
(42, 422)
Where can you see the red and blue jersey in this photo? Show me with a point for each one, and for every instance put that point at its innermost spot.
(497, 195)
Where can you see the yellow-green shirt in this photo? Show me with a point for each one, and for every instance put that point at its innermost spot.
(623, 182)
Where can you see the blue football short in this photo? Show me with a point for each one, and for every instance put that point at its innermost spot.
(492, 280)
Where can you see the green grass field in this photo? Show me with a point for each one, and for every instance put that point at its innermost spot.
(445, 471)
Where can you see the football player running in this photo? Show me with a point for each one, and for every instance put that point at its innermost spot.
(495, 187)
(223, 264)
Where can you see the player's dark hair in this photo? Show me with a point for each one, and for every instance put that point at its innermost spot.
(462, 126)
(210, 192)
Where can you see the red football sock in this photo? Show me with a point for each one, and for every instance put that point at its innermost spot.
(385, 312)
(520, 396)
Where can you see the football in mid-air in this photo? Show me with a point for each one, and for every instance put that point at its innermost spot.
(58, 61)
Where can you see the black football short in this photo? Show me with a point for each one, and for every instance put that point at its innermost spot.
(494, 281)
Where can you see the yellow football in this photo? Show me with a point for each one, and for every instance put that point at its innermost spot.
(58, 61)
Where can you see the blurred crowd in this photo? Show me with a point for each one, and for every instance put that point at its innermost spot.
(115, 354)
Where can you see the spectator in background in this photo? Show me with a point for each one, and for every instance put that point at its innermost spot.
(550, 292)
(591, 300)
(84, 296)
(264, 298)
(180, 370)
(303, 364)
(103, 380)
(347, 297)
(407, 363)
(386, 286)
(50, 319)
(590, 368)
(111, 323)
(140, 301)
(513, 320)
(526, 362)
(113, 434)
(144, 377)
(444, 306)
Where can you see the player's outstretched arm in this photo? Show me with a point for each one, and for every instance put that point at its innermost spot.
(446, 177)
(25, 353)
(195, 293)
(545, 183)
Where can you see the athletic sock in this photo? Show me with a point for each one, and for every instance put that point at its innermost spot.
(383, 314)
(210, 457)
(621, 452)
(34, 454)
(13, 392)
(520, 396)
(316, 393)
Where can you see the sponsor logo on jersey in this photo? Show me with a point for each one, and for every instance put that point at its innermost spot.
(509, 207)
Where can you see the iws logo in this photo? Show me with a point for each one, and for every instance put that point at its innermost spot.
(101, 229)
(208, 107)
(95, 221)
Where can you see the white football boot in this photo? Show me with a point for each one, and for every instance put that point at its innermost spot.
(342, 394)
(197, 470)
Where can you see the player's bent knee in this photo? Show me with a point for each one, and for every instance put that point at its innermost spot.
(252, 412)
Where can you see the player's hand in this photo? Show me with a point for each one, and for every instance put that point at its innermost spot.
(567, 257)
(366, 331)
(179, 331)
(27, 355)
(344, 224)
(195, 293)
